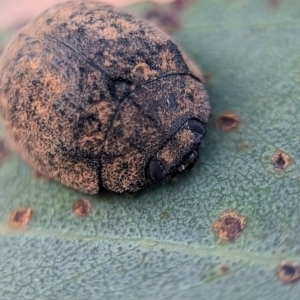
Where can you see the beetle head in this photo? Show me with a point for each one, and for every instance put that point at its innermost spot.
(179, 154)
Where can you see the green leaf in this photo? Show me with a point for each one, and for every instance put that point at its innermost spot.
(160, 244)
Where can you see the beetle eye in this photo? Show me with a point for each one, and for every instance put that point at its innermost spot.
(155, 171)
(196, 127)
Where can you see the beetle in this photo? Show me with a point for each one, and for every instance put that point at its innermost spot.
(94, 97)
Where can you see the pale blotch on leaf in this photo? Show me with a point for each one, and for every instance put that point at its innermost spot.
(165, 215)
(82, 207)
(280, 160)
(289, 272)
(243, 146)
(227, 121)
(20, 217)
(229, 226)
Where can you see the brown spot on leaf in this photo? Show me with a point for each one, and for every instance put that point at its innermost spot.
(164, 20)
(207, 77)
(280, 160)
(224, 269)
(227, 121)
(20, 216)
(273, 3)
(39, 175)
(165, 215)
(179, 5)
(229, 226)
(4, 151)
(82, 207)
(167, 19)
(289, 272)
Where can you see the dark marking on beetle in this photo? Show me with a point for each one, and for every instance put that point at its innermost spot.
(227, 121)
(49, 21)
(173, 101)
(82, 207)
(81, 30)
(121, 89)
(4, 151)
(280, 160)
(229, 226)
(289, 272)
(165, 215)
(20, 216)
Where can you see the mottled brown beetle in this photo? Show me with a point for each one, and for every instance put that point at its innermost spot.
(94, 97)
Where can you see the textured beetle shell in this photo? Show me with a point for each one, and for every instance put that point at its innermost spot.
(89, 94)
